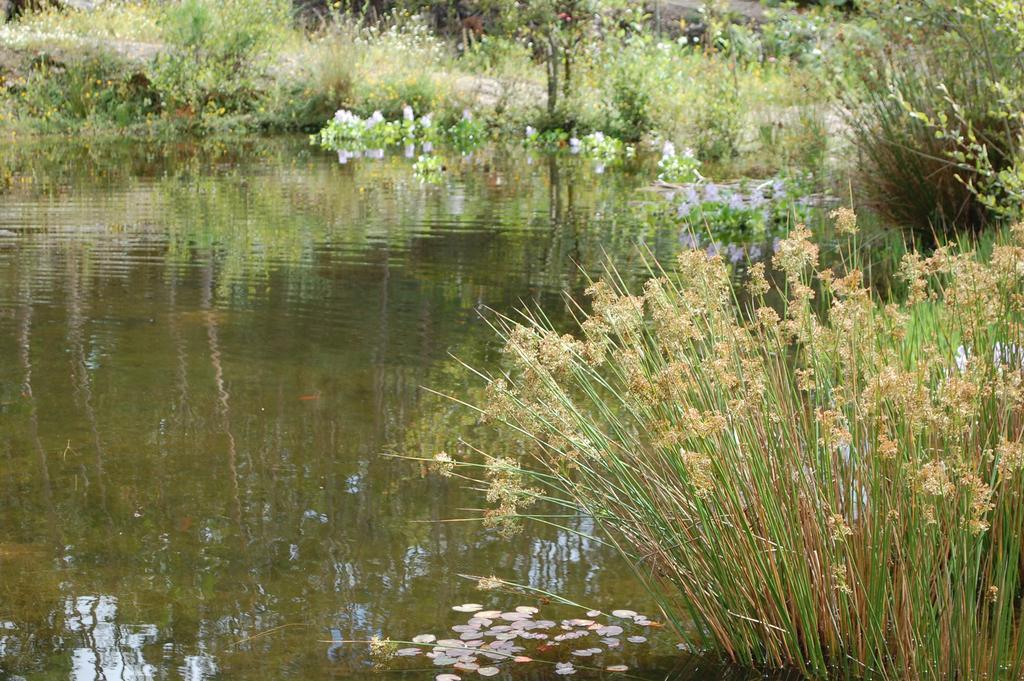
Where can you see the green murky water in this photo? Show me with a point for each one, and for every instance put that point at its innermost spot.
(204, 353)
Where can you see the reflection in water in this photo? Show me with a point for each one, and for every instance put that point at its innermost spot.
(111, 650)
(205, 353)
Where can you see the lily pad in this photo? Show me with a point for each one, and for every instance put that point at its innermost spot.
(610, 630)
(488, 671)
(468, 607)
(489, 614)
(564, 668)
(617, 668)
(624, 613)
(424, 638)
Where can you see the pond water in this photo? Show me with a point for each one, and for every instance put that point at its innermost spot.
(207, 352)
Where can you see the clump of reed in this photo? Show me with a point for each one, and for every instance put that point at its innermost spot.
(802, 475)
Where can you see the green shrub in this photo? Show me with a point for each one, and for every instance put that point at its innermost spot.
(936, 112)
(719, 122)
(97, 90)
(629, 101)
(221, 52)
(809, 479)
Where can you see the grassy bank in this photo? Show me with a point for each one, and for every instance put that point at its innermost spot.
(151, 68)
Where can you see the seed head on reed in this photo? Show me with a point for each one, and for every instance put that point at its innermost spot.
(811, 479)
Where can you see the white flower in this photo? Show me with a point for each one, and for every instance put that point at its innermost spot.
(668, 150)
(425, 120)
(345, 116)
(407, 113)
(374, 119)
(466, 115)
(530, 131)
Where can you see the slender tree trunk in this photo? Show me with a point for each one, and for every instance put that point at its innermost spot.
(566, 73)
(552, 65)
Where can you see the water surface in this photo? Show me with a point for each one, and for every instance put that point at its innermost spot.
(207, 352)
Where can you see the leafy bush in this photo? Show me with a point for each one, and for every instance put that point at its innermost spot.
(812, 478)
(95, 90)
(937, 113)
(221, 53)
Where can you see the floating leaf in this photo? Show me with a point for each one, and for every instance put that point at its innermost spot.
(579, 622)
(513, 616)
(479, 622)
(564, 668)
(585, 652)
(488, 671)
(471, 636)
(449, 643)
(624, 613)
(593, 613)
(527, 610)
(522, 658)
(461, 628)
(407, 652)
(489, 614)
(447, 677)
(444, 660)
(424, 638)
(610, 630)
(494, 656)
(618, 668)
(468, 607)
(466, 666)
(637, 639)
(611, 642)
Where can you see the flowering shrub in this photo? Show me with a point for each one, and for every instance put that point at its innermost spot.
(602, 148)
(466, 134)
(811, 478)
(349, 132)
(678, 168)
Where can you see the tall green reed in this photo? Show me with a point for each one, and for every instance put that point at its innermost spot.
(810, 478)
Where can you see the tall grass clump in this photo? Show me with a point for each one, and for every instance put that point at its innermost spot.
(802, 475)
(935, 109)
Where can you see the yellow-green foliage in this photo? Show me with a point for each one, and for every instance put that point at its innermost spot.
(809, 478)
